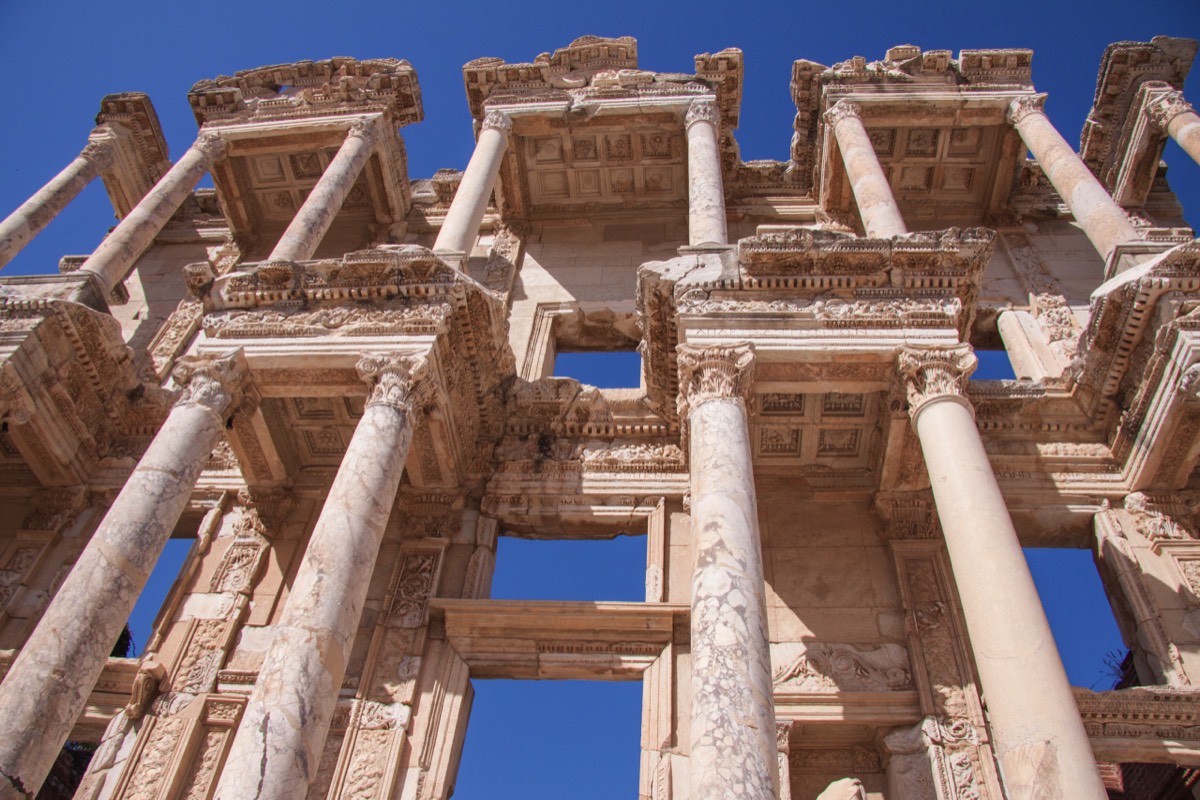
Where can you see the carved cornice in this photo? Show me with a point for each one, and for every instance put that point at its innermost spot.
(932, 373)
(719, 372)
(213, 382)
(703, 110)
(394, 380)
(843, 110)
(1023, 106)
(1166, 106)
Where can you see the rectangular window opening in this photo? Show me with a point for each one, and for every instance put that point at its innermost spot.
(607, 369)
(1080, 615)
(570, 569)
(154, 595)
(524, 740)
(994, 365)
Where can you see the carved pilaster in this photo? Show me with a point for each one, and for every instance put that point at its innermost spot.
(931, 373)
(1023, 106)
(908, 516)
(395, 380)
(704, 110)
(1165, 107)
(720, 372)
(1164, 517)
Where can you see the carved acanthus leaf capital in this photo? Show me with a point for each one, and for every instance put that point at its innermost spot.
(702, 110)
(1164, 517)
(1023, 106)
(214, 382)
(908, 515)
(1162, 107)
(928, 373)
(719, 372)
(211, 144)
(841, 110)
(395, 380)
(102, 152)
(497, 121)
(1189, 383)
(369, 129)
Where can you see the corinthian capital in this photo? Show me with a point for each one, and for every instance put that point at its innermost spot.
(1026, 104)
(101, 152)
(703, 110)
(213, 382)
(497, 121)
(929, 373)
(211, 145)
(841, 110)
(1162, 107)
(369, 129)
(720, 372)
(395, 380)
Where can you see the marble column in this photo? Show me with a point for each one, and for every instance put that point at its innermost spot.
(706, 191)
(461, 226)
(116, 255)
(282, 734)
(1039, 738)
(880, 214)
(733, 744)
(40, 210)
(52, 677)
(1171, 113)
(323, 203)
(1101, 219)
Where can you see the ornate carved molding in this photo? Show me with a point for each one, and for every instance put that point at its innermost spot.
(1023, 106)
(720, 372)
(929, 373)
(843, 110)
(1165, 107)
(703, 110)
(212, 381)
(395, 380)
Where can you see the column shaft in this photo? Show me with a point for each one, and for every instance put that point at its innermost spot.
(461, 226)
(881, 216)
(282, 734)
(1185, 130)
(40, 210)
(52, 677)
(323, 203)
(1102, 220)
(1039, 737)
(115, 257)
(706, 191)
(733, 744)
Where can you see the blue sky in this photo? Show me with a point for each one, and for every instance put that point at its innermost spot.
(63, 57)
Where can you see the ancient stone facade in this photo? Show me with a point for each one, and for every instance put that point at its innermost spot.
(336, 381)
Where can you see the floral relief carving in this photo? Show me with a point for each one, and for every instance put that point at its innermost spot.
(719, 372)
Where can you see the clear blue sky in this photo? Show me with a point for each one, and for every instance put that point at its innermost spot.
(63, 57)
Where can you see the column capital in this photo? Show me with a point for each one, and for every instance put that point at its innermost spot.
(211, 144)
(497, 121)
(1164, 106)
(214, 382)
(702, 110)
(718, 372)
(369, 129)
(932, 373)
(395, 380)
(843, 109)
(101, 152)
(1021, 107)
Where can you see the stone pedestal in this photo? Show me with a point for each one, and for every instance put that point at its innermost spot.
(461, 226)
(312, 222)
(880, 214)
(733, 744)
(1171, 113)
(706, 192)
(116, 255)
(1101, 219)
(282, 733)
(1040, 740)
(49, 683)
(40, 210)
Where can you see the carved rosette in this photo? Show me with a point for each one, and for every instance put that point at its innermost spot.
(497, 121)
(395, 380)
(720, 372)
(702, 110)
(841, 110)
(1023, 106)
(1166, 106)
(214, 382)
(933, 373)
(100, 152)
(211, 145)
